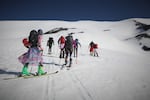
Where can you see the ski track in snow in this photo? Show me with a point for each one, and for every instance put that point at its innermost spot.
(85, 94)
(78, 85)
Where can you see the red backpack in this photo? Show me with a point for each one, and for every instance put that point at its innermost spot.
(95, 46)
(25, 42)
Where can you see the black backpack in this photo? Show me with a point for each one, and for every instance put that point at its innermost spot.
(33, 38)
(40, 32)
(69, 42)
(50, 40)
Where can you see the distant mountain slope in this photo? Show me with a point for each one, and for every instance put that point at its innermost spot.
(142, 34)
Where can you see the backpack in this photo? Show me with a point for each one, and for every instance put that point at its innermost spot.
(75, 42)
(40, 32)
(33, 38)
(50, 41)
(95, 46)
(26, 42)
(69, 42)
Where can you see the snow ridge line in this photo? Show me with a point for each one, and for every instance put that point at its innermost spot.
(85, 93)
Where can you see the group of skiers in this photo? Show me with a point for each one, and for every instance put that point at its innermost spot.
(93, 49)
(69, 42)
(67, 46)
(33, 56)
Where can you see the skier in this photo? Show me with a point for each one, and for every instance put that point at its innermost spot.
(75, 47)
(68, 49)
(33, 55)
(93, 49)
(61, 43)
(50, 42)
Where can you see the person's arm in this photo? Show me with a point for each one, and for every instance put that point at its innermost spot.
(58, 41)
(79, 44)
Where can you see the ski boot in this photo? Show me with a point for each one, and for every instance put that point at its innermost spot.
(64, 65)
(40, 71)
(25, 71)
(70, 63)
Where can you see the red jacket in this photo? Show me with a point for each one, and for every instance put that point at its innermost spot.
(61, 40)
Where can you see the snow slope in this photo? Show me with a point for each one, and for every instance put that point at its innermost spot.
(120, 73)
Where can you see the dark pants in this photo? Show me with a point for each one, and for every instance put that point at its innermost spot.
(62, 53)
(50, 48)
(68, 52)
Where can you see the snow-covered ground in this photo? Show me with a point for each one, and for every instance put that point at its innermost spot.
(121, 72)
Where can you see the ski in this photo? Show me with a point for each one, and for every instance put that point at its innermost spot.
(67, 66)
(30, 76)
(62, 66)
(34, 76)
(17, 77)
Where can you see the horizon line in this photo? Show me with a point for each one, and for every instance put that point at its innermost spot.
(38, 19)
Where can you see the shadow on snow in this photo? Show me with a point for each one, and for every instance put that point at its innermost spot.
(2, 71)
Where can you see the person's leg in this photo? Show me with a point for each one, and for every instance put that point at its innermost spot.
(63, 55)
(61, 51)
(66, 51)
(25, 70)
(76, 52)
(70, 52)
(40, 70)
(50, 48)
(96, 52)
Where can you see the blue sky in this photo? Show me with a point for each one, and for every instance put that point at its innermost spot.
(72, 10)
